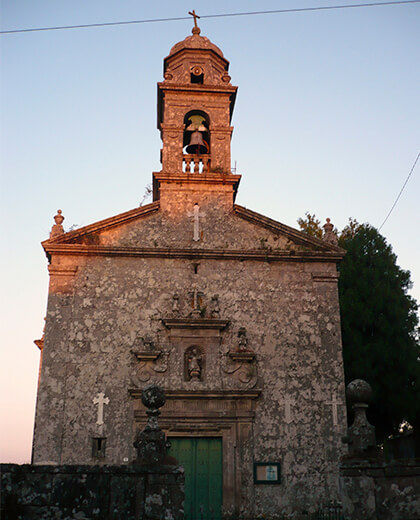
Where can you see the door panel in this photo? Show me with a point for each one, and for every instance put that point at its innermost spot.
(202, 461)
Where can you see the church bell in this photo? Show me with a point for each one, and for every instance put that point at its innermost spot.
(197, 144)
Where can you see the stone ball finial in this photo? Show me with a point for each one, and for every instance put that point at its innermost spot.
(359, 391)
(59, 219)
(153, 396)
(57, 228)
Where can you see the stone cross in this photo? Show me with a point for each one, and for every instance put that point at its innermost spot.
(100, 400)
(288, 403)
(196, 216)
(334, 403)
(195, 16)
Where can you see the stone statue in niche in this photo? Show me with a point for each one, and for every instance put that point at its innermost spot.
(194, 361)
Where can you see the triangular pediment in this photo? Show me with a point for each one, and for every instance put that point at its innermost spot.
(92, 234)
(151, 231)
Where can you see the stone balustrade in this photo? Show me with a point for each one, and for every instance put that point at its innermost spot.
(194, 163)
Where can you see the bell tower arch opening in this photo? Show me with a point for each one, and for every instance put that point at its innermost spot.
(196, 139)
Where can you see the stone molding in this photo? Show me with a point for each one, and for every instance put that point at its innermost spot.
(209, 254)
(203, 394)
(195, 323)
(188, 87)
(325, 277)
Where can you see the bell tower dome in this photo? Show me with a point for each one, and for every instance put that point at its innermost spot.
(195, 107)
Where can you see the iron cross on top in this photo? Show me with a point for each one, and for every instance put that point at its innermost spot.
(192, 13)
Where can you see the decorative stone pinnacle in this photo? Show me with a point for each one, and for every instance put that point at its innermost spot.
(359, 391)
(151, 443)
(59, 217)
(361, 434)
(329, 235)
(57, 228)
(195, 29)
(153, 397)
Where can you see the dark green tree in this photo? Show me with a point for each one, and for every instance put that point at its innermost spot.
(380, 327)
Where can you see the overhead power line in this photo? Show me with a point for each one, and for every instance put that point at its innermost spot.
(223, 15)
(399, 194)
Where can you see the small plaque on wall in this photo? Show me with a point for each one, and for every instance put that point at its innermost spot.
(266, 472)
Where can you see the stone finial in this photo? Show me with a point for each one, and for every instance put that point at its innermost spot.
(151, 443)
(57, 228)
(361, 434)
(329, 236)
(359, 391)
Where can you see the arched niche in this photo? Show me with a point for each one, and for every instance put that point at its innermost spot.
(196, 138)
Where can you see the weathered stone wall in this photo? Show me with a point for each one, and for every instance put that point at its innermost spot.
(381, 491)
(91, 492)
(290, 311)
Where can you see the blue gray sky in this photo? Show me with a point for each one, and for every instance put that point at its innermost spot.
(326, 121)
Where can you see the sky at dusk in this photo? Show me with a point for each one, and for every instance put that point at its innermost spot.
(327, 120)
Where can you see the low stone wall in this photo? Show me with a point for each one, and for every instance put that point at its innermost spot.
(30, 492)
(381, 491)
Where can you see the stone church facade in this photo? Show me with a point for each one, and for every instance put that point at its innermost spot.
(234, 314)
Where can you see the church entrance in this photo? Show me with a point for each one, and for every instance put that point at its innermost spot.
(201, 458)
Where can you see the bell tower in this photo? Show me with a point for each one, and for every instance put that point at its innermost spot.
(195, 107)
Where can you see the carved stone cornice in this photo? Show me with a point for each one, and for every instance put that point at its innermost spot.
(325, 277)
(213, 254)
(147, 356)
(135, 393)
(191, 178)
(242, 356)
(195, 323)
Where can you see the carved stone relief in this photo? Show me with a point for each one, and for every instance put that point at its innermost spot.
(241, 362)
(150, 361)
(195, 304)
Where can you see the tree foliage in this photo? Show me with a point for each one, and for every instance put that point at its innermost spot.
(379, 327)
(310, 225)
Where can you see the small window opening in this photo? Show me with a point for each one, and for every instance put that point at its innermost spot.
(195, 268)
(198, 80)
(98, 447)
(197, 75)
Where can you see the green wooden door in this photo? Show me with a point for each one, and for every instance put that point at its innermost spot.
(202, 461)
